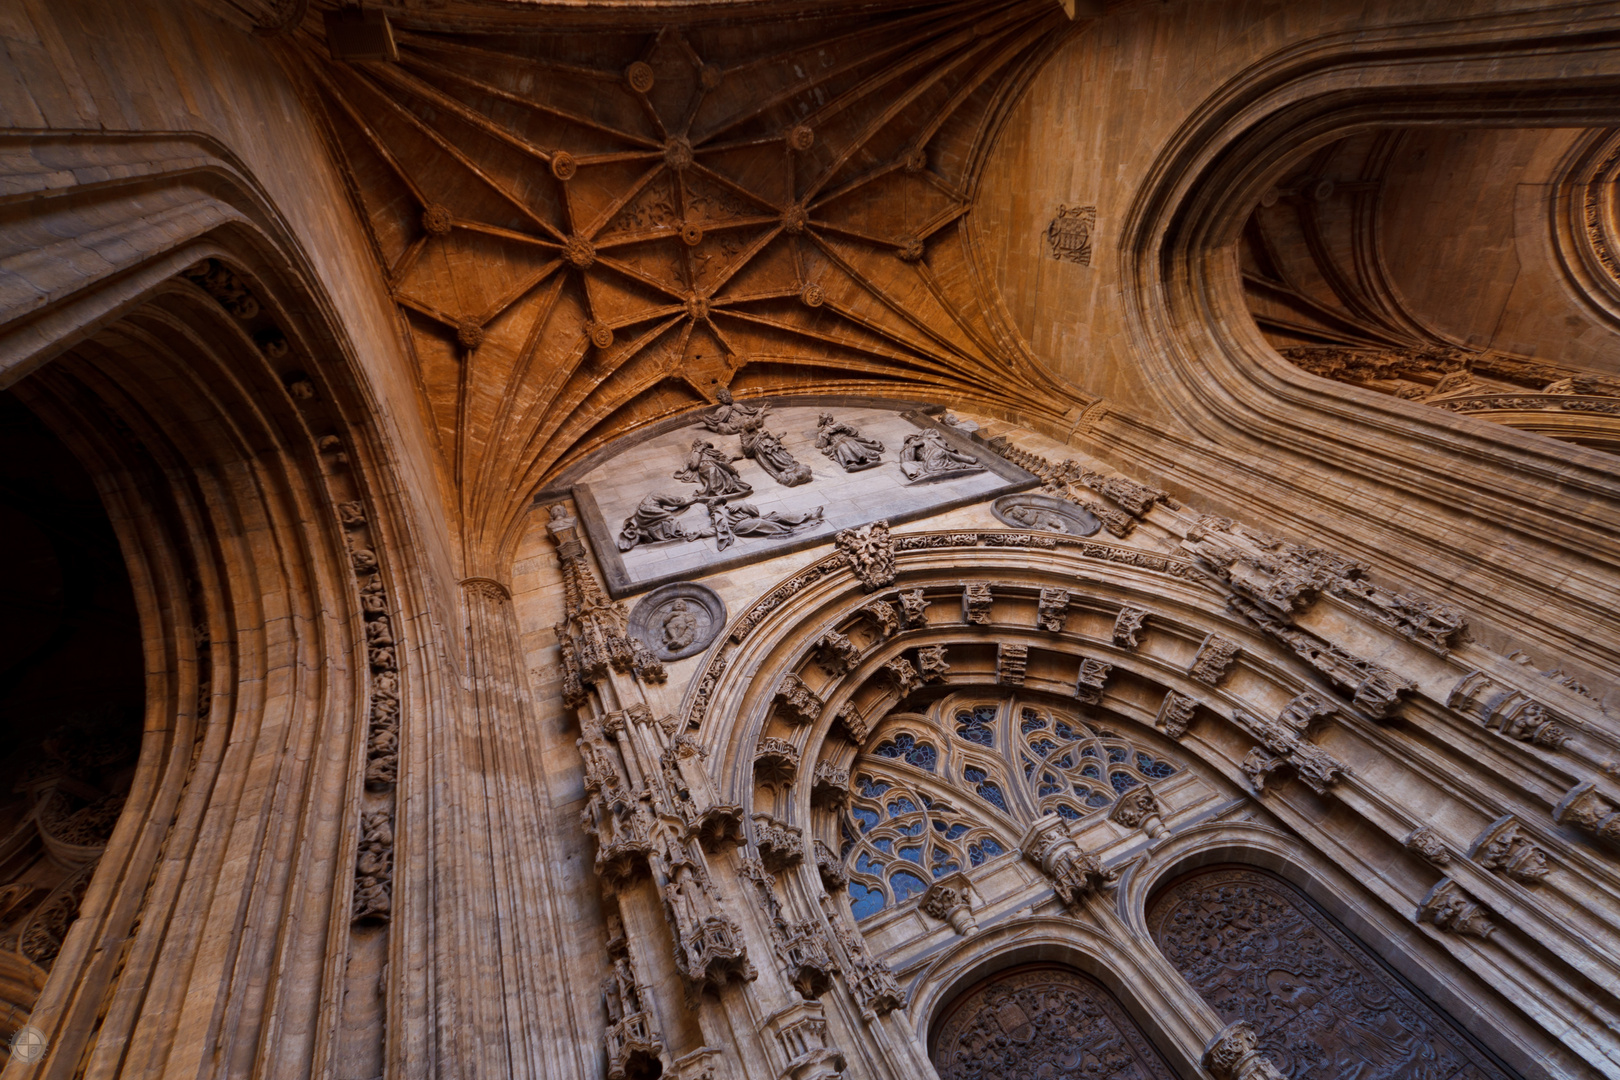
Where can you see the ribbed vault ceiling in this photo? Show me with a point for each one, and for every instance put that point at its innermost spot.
(588, 230)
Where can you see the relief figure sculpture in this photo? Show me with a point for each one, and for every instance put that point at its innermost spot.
(927, 456)
(844, 443)
(713, 472)
(680, 627)
(654, 520)
(748, 424)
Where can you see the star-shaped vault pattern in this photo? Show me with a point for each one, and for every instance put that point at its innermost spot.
(589, 230)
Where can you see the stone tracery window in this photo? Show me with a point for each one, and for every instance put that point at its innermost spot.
(1258, 950)
(1044, 1021)
(954, 789)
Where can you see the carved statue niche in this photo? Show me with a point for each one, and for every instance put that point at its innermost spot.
(1318, 1002)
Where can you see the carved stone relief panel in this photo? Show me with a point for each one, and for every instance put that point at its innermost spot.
(1037, 1022)
(1320, 1003)
(1044, 513)
(748, 479)
(678, 620)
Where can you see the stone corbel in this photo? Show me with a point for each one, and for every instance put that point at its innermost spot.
(700, 1064)
(1089, 683)
(931, 664)
(830, 867)
(780, 845)
(1073, 873)
(1504, 847)
(795, 702)
(853, 722)
(776, 762)
(830, 786)
(1214, 659)
(1502, 708)
(1053, 611)
(913, 609)
(1176, 713)
(1590, 812)
(1453, 911)
(949, 900)
(885, 620)
(1139, 808)
(1127, 625)
(976, 603)
(1011, 661)
(1234, 1054)
(836, 654)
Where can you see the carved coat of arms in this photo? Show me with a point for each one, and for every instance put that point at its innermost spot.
(1069, 234)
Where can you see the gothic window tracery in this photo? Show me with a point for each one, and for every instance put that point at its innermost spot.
(1038, 1022)
(1258, 950)
(953, 789)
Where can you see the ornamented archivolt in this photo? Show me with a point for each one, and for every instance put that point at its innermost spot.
(950, 790)
(1040, 1023)
(1321, 1005)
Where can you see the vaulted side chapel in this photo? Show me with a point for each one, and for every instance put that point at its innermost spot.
(810, 539)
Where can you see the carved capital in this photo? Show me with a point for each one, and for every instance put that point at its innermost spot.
(853, 722)
(1426, 842)
(947, 900)
(1074, 874)
(780, 845)
(836, 654)
(1234, 1054)
(796, 702)
(1139, 808)
(776, 762)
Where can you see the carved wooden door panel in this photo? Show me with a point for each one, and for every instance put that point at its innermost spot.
(1043, 1023)
(1259, 950)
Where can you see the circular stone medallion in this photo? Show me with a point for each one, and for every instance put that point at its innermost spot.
(1043, 513)
(679, 620)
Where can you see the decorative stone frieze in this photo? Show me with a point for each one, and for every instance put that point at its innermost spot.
(976, 603)
(1509, 711)
(931, 665)
(1453, 911)
(1139, 808)
(780, 845)
(1052, 611)
(849, 715)
(374, 868)
(836, 654)
(1505, 848)
(1214, 659)
(948, 900)
(1011, 660)
(1586, 809)
(796, 702)
(869, 551)
(914, 609)
(1234, 1054)
(1091, 680)
(1127, 627)
(830, 787)
(776, 762)
(1427, 843)
(1074, 874)
(1176, 713)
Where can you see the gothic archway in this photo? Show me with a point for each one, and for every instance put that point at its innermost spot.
(1039, 1021)
(1259, 950)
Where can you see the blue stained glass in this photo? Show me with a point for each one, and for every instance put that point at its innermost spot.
(926, 801)
(906, 747)
(906, 884)
(1155, 769)
(1067, 812)
(1065, 762)
(1029, 768)
(865, 864)
(1033, 721)
(1090, 797)
(872, 789)
(914, 829)
(913, 854)
(885, 845)
(1118, 753)
(941, 869)
(902, 805)
(1089, 751)
(924, 757)
(1049, 786)
(1043, 746)
(864, 817)
(1064, 731)
(990, 847)
(951, 831)
(975, 726)
(1092, 771)
(1123, 781)
(864, 901)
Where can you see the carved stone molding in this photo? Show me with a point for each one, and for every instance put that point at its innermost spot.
(884, 618)
(913, 609)
(1091, 680)
(1053, 610)
(1586, 809)
(632, 1039)
(796, 702)
(1214, 659)
(1234, 1054)
(1373, 688)
(976, 603)
(1127, 626)
(902, 676)
(1176, 713)
(1505, 848)
(1453, 911)
(948, 900)
(830, 867)
(1509, 711)
(1011, 661)
(374, 867)
(931, 665)
(836, 654)
(876, 991)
